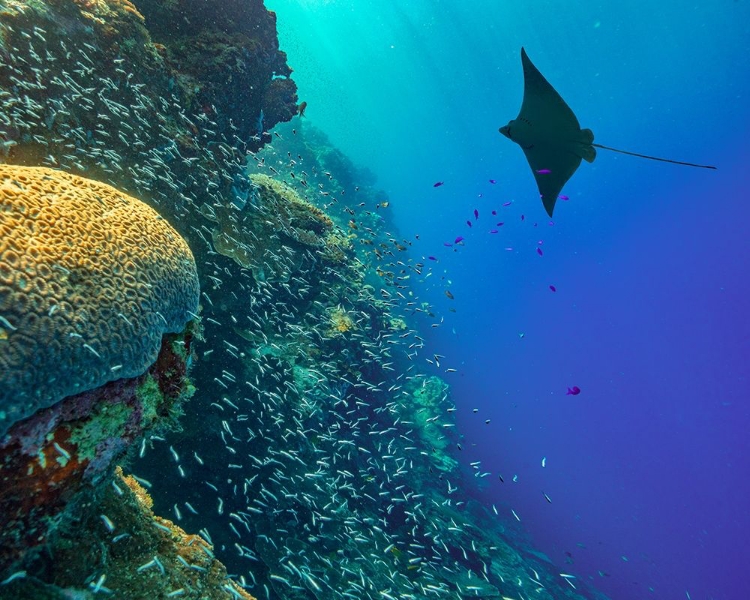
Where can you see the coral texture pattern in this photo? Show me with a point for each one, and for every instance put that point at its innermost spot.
(90, 280)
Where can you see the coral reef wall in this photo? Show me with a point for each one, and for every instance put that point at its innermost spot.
(85, 89)
(321, 456)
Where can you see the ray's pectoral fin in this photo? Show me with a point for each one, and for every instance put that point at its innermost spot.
(552, 167)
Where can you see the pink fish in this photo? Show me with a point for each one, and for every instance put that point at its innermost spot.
(553, 288)
(438, 183)
(573, 391)
(476, 214)
(459, 239)
(543, 171)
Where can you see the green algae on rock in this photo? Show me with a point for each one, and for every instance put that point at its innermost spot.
(64, 451)
(112, 540)
(430, 397)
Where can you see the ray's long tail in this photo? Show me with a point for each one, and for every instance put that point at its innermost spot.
(675, 162)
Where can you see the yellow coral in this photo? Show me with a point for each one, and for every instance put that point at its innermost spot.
(337, 247)
(90, 280)
(397, 324)
(340, 321)
(178, 552)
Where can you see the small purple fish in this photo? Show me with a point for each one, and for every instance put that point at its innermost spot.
(494, 212)
(507, 203)
(553, 288)
(573, 391)
(468, 223)
(493, 231)
(523, 217)
(459, 239)
(500, 224)
(447, 245)
(438, 183)
(432, 258)
(543, 171)
(563, 198)
(476, 214)
(539, 252)
(493, 182)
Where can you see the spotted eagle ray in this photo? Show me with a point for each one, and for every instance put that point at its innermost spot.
(551, 138)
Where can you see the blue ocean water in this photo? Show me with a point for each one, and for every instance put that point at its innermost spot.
(647, 468)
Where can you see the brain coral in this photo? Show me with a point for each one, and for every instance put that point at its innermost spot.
(90, 280)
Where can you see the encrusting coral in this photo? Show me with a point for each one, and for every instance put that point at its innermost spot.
(340, 321)
(272, 231)
(90, 281)
(113, 543)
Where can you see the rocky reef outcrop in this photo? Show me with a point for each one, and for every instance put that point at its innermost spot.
(271, 232)
(227, 56)
(88, 88)
(110, 539)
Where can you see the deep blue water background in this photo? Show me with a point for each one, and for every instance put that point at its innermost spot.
(650, 318)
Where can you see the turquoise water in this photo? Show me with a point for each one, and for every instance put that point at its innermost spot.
(647, 466)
